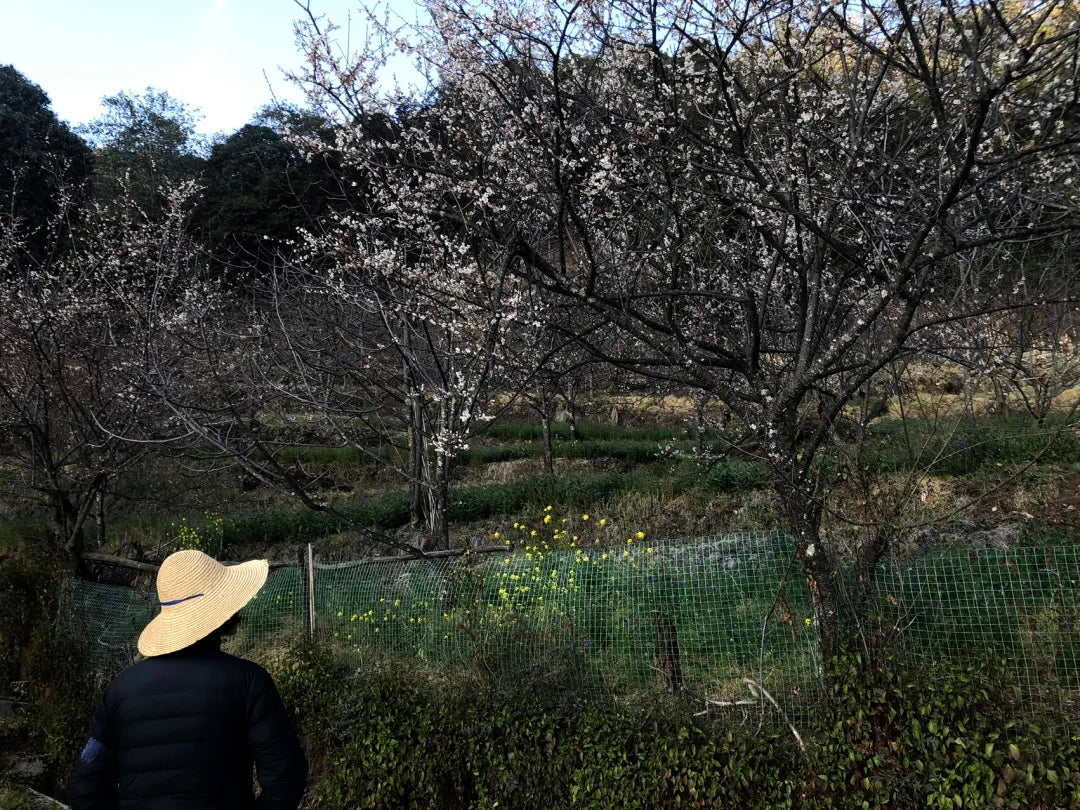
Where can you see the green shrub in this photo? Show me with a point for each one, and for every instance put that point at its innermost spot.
(13, 798)
(25, 580)
(398, 735)
(62, 691)
(59, 687)
(893, 736)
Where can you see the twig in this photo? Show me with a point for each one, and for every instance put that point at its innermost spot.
(756, 689)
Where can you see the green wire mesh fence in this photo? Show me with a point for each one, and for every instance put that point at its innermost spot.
(107, 619)
(726, 618)
(609, 620)
(1018, 608)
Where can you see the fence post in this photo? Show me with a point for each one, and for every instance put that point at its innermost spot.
(311, 591)
(305, 616)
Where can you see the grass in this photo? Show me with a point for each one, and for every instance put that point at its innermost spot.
(957, 447)
(598, 612)
(532, 431)
(468, 504)
(660, 482)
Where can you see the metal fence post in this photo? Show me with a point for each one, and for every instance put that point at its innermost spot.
(311, 591)
(305, 616)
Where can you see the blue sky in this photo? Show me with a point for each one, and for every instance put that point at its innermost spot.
(210, 54)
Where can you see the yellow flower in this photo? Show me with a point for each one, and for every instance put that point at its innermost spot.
(809, 621)
(497, 535)
(641, 535)
(547, 519)
(532, 533)
(547, 508)
(584, 517)
(603, 521)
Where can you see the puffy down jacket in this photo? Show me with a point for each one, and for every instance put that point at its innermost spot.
(183, 731)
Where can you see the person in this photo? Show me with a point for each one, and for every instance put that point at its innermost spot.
(185, 727)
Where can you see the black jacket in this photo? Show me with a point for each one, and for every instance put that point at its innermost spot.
(182, 731)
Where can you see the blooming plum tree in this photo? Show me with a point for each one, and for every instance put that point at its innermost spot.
(768, 201)
(73, 355)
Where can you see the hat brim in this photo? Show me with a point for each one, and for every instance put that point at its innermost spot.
(180, 625)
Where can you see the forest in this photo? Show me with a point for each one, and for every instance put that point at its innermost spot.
(689, 269)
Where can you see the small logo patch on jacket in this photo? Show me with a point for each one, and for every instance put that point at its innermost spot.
(92, 751)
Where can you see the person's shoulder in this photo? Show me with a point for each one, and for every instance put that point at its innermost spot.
(135, 672)
(249, 669)
(133, 678)
(242, 663)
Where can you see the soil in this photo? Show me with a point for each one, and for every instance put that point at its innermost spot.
(1065, 509)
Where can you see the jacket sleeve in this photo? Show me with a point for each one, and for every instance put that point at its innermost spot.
(279, 761)
(94, 782)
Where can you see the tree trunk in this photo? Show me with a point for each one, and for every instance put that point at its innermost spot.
(100, 518)
(69, 526)
(1001, 398)
(438, 526)
(546, 418)
(570, 395)
(817, 562)
(418, 461)
(699, 422)
(969, 395)
(867, 558)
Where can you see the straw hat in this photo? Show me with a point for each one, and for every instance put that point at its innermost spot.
(198, 595)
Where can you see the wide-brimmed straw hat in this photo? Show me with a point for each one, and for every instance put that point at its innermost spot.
(198, 595)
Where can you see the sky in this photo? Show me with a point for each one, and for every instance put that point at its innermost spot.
(223, 57)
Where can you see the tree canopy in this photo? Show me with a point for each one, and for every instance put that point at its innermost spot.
(40, 159)
(142, 143)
